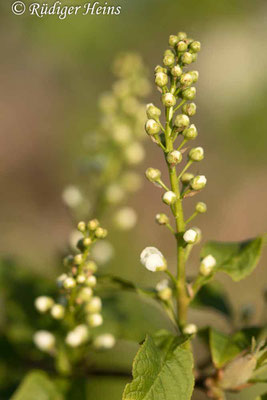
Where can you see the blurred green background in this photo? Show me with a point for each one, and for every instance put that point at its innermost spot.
(52, 73)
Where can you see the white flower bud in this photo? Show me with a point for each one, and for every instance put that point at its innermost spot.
(162, 219)
(77, 336)
(182, 35)
(201, 207)
(95, 320)
(198, 182)
(125, 218)
(69, 283)
(94, 305)
(195, 46)
(181, 121)
(85, 294)
(173, 40)
(90, 266)
(152, 127)
(78, 259)
(81, 226)
(58, 311)
(105, 341)
(191, 132)
(190, 236)
(152, 112)
(101, 233)
(181, 46)
(134, 153)
(163, 289)
(91, 281)
(176, 71)
(161, 79)
(80, 279)
(72, 196)
(174, 157)
(169, 198)
(195, 75)
(189, 109)
(187, 58)
(61, 279)
(44, 340)
(169, 100)
(152, 259)
(153, 174)
(169, 60)
(196, 154)
(186, 178)
(186, 79)
(207, 265)
(190, 329)
(189, 93)
(43, 303)
(93, 224)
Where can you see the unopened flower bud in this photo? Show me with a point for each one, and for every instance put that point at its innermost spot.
(190, 329)
(94, 305)
(190, 132)
(186, 178)
(93, 224)
(44, 340)
(81, 226)
(101, 233)
(174, 157)
(61, 279)
(105, 341)
(152, 127)
(153, 174)
(152, 111)
(91, 281)
(69, 283)
(194, 57)
(81, 279)
(181, 121)
(43, 303)
(198, 182)
(189, 93)
(195, 46)
(176, 71)
(158, 69)
(187, 58)
(78, 259)
(165, 294)
(95, 320)
(161, 79)
(201, 207)
(58, 311)
(169, 198)
(85, 294)
(181, 46)
(87, 242)
(152, 259)
(189, 109)
(90, 266)
(207, 265)
(196, 154)
(181, 35)
(186, 79)
(169, 60)
(173, 40)
(190, 236)
(169, 100)
(77, 336)
(162, 219)
(195, 75)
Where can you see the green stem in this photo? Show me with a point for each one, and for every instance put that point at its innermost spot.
(185, 168)
(191, 218)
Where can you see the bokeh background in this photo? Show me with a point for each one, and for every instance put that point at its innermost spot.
(52, 73)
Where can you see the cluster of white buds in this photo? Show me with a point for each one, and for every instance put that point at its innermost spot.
(153, 260)
(77, 293)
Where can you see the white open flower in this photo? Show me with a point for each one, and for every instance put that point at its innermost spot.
(207, 265)
(72, 196)
(153, 259)
(125, 218)
(43, 303)
(44, 340)
(105, 341)
(77, 336)
(190, 236)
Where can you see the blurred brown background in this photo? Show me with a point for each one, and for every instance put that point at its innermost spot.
(52, 73)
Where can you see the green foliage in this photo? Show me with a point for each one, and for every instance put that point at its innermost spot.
(262, 397)
(37, 385)
(214, 297)
(237, 259)
(163, 373)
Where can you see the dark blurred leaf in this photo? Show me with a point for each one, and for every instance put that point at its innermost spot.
(237, 259)
(262, 397)
(37, 386)
(213, 296)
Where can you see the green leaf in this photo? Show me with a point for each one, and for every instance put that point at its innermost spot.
(262, 397)
(225, 348)
(213, 296)
(37, 385)
(162, 374)
(237, 259)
